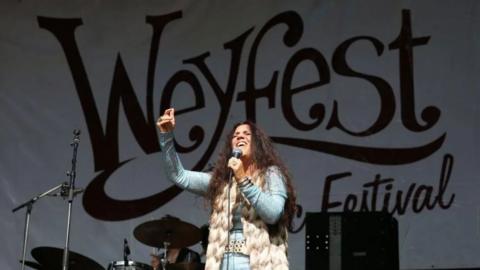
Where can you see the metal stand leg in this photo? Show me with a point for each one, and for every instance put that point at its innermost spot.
(25, 234)
(164, 260)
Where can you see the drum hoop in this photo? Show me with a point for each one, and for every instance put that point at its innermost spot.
(129, 263)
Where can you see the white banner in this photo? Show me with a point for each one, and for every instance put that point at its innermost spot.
(373, 106)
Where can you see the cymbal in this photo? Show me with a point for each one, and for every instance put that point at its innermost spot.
(32, 265)
(185, 266)
(51, 258)
(168, 229)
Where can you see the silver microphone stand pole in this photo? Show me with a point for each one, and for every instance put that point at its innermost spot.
(71, 194)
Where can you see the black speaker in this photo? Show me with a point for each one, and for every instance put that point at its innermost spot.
(351, 241)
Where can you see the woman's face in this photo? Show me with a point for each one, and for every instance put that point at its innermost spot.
(242, 138)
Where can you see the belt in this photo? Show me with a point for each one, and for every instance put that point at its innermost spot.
(236, 246)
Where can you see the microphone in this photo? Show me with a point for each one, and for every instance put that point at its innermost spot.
(237, 152)
(76, 138)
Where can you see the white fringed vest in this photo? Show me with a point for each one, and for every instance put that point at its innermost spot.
(267, 252)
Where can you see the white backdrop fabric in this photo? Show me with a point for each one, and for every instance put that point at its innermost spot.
(374, 93)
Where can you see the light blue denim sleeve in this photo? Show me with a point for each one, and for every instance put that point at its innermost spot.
(195, 182)
(269, 203)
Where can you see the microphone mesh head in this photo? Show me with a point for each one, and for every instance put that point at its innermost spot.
(236, 152)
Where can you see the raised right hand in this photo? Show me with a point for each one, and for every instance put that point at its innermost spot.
(166, 122)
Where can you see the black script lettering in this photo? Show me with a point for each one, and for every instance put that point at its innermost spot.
(385, 92)
(374, 185)
(326, 204)
(105, 144)
(101, 206)
(373, 155)
(405, 43)
(401, 203)
(421, 197)
(291, 37)
(350, 203)
(105, 141)
(317, 110)
(447, 168)
(298, 214)
(196, 134)
(224, 97)
(386, 197)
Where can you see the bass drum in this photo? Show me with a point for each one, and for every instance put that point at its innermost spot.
(131, 265)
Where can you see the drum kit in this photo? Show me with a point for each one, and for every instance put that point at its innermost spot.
(165, 233)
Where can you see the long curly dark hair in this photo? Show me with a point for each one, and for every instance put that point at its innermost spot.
(263, 156)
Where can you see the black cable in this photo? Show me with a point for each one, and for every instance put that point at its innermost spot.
(228, 215)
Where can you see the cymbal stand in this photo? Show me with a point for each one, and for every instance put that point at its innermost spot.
(164, 260)
(29, 205)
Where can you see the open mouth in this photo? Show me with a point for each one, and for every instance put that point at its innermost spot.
(240, 144)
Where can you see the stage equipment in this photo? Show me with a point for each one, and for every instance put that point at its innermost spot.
(167, 232)
(351, 241)
(65, 190)
(51, 258)
(71, 194)
(128, 265)
(176, 233)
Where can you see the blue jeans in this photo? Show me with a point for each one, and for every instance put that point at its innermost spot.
(236, 261)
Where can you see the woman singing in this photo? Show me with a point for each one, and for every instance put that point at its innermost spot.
(249, 230)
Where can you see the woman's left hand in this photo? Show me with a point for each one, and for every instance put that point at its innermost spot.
(236, 165)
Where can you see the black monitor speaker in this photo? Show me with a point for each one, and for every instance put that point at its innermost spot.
(351, 241)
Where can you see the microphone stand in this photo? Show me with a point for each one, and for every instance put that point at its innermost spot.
(126, 252)
(29, 205)
(230, 176)
(228, 216)
(71, 194)
(237, 153)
